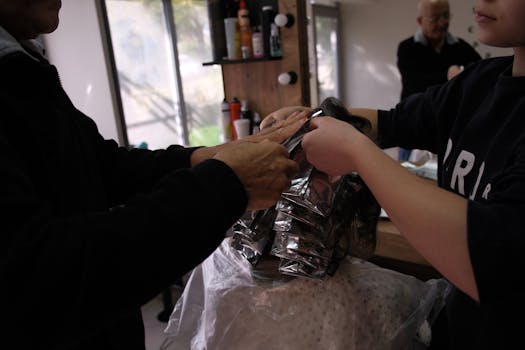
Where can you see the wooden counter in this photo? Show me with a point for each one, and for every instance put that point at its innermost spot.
(393, 251)
(391, 244)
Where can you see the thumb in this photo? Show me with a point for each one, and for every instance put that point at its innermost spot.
(314, 123)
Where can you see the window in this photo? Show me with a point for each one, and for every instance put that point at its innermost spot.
(167, 95)
(327, 50)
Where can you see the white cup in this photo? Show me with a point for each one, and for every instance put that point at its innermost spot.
(242, 127)
(231, 29)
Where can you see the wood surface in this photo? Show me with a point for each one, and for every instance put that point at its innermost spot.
(391, 244)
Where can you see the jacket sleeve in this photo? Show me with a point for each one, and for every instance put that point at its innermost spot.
(128, 171)
(72, 275)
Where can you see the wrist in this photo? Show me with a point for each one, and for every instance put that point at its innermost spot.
(202, 153)
(362, 152)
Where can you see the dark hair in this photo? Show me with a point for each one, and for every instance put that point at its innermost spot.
(333, 107)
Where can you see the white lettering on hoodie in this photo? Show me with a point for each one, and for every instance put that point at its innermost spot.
(463, 167)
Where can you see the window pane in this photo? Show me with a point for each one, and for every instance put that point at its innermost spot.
(326, 52)
(144, 61)
(202, 85)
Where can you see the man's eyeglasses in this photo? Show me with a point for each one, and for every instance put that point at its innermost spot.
(434, 19)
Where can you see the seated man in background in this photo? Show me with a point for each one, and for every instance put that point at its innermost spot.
(433, 55)
(90, 230)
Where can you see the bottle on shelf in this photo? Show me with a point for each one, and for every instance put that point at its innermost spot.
(235, 114)
(257, 43)
(275, 41)
(231, 28)
(267, 17)
(246, 113)
(245, 31)
(226, 124)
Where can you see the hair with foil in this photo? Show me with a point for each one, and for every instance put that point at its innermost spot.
(317, 221)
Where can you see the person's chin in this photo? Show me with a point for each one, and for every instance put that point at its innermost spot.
(48, 26)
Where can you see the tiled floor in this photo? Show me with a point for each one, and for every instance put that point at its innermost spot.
(153, 327)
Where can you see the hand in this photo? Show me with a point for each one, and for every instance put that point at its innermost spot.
(281, 129)
(264, 169)
(278, 132)
(454, 70)
(331, 144)
(282, 114)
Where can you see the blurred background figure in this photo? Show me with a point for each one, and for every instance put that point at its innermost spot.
(432, 55)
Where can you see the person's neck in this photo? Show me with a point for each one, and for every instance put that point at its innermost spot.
(518, 66)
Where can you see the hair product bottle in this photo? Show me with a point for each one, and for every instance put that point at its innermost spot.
(245, 31)
(275, 41)
(235, 113)
(226, 124)
(266, 21)
(257, 43)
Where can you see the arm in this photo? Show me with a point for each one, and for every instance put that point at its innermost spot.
(279, 126)
(66, 255)
(129, 171)
(432, 219)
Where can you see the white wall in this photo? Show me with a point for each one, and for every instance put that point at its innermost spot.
(77, 51)
(371, 33)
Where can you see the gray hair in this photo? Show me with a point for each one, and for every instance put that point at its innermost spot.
(422, 3)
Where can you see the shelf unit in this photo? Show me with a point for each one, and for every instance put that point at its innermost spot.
(256, 79)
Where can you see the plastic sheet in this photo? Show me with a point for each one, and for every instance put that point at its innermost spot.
(362, 306)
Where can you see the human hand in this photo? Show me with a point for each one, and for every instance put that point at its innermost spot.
(331, 145)
(264, 169)
(281, 114)
(454, 70)
(280, 131)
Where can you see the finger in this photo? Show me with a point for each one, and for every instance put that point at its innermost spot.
(314, 123)
(268, 122)
(292, 169)
(297, 117)
(282, 150)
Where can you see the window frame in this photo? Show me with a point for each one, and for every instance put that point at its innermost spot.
(329, 11)
(114, 77)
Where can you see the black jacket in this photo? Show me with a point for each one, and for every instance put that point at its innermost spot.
(421, 66)
(91, 231)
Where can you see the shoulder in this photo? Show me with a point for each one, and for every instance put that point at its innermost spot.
(490, 66)
(407, 42)
(463, 44)
(407, 45)
(18, 68)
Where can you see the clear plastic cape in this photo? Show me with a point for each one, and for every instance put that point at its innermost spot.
(295, 277)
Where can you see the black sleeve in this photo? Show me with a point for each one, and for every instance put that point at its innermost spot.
(423, 120)
(77, 273)
(128, 171)
(411, 124)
